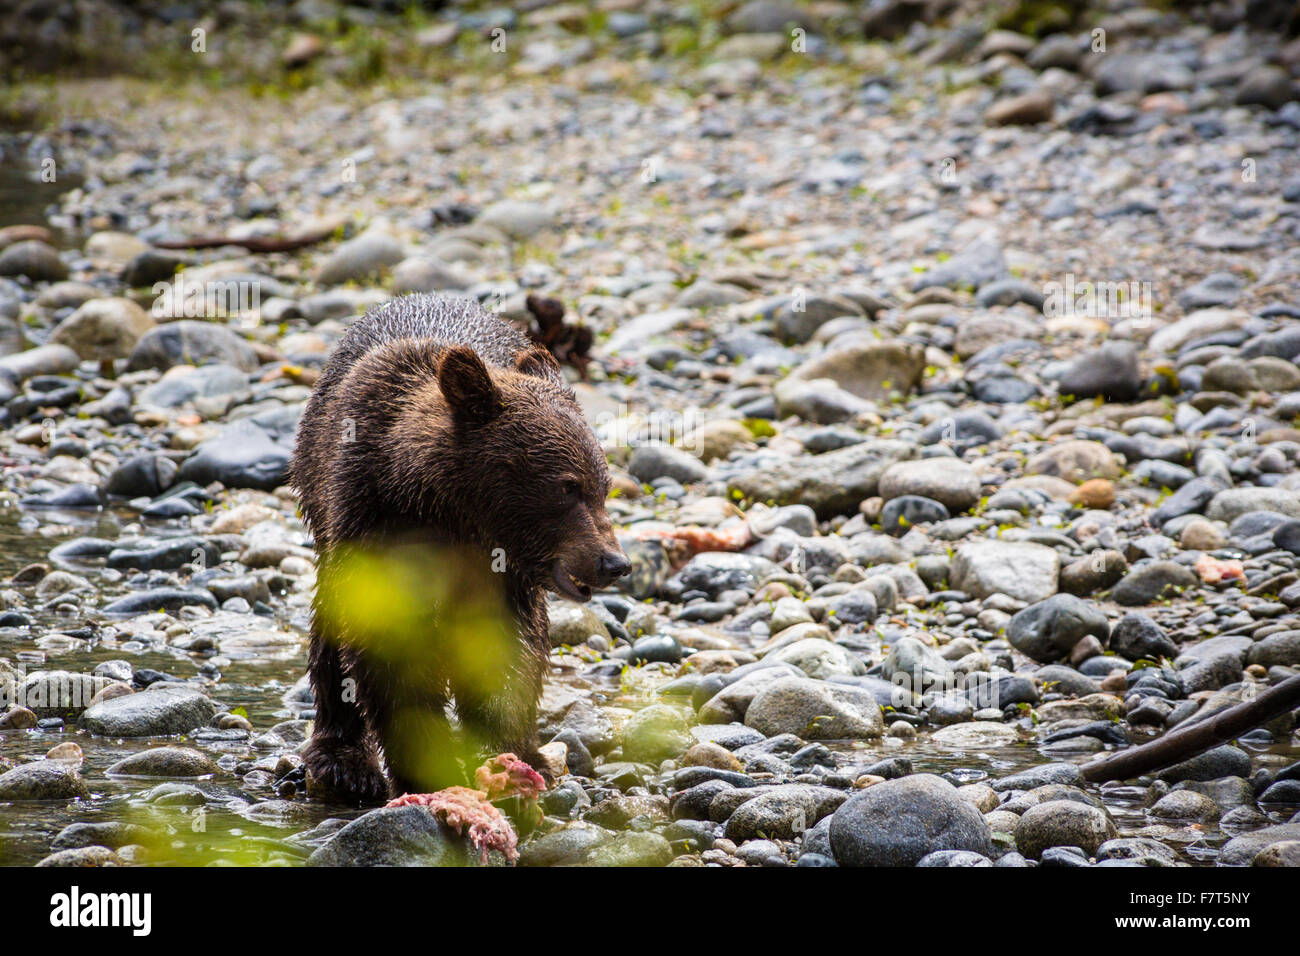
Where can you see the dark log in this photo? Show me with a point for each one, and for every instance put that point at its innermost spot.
(1187, 741)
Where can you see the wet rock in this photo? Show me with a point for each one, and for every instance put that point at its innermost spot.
(1283, 853)
(161, 710)
(868, 370)
(798, 320)
(1225, 761)
(144, 475)
(37, 260)
(832, 483)
(652, 461)
(975, 735)
(82, 857)
(398, 836)
(1146, 851)
(518, 219)
(899, 822)
(364, 257)
(1047, 631)
(1027, 109)
(1211, 672)
(980, 262)
(951, 482)
(631, 849)
(103, 329)
(572, 624)
(619, 812)
(814, 710)
(571, 843)
(954, 858)
(916, 666)
(190, 342)
(42, 360)
(783, 813)
(1110, 372)
(654, 733)
(165, 762)
(1242, 850)
(1075, 461)
(1137, 637)
(111, 834)
(43, 780)
(1062, 823)
(662, 648)
(159, 599)
(77, 496)
(818, 658)
(1282, 648)
(241, 456)
(1185, 805)
(1098, 571)
(1268, 86)
(1027, 572)
(59, 693)
(1152, 582)
(1052, 773)
(731, 702)
(18, 718)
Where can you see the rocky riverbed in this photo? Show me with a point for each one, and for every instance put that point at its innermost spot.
(947, 372)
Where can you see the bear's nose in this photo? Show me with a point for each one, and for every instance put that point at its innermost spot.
(614, 564)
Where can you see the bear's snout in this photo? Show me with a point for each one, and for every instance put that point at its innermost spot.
(612, 565)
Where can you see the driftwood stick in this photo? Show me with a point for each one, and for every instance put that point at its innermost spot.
(1189, 740)
(252, 244)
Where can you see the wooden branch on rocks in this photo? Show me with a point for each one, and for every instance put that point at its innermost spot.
(252, 243)
(1187, 741)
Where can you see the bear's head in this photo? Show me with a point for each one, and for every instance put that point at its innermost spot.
(531, 472)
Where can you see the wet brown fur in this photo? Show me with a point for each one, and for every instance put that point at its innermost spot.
(464, 436)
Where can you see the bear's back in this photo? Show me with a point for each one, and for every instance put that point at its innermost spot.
(447, 320)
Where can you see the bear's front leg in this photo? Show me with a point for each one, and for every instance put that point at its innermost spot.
(506, 721)
(414, 733)
(340, 760)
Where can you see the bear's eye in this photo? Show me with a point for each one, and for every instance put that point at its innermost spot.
(573, 489)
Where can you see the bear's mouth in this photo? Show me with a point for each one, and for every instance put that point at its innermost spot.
(571, 587)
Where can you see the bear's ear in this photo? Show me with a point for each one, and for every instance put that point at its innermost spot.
(467, 386)
(538, 362)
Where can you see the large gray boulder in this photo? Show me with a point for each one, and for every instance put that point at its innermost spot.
(398, 836)
(898, 822)
(162, 710)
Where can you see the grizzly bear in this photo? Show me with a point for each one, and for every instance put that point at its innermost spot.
(440, 443)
